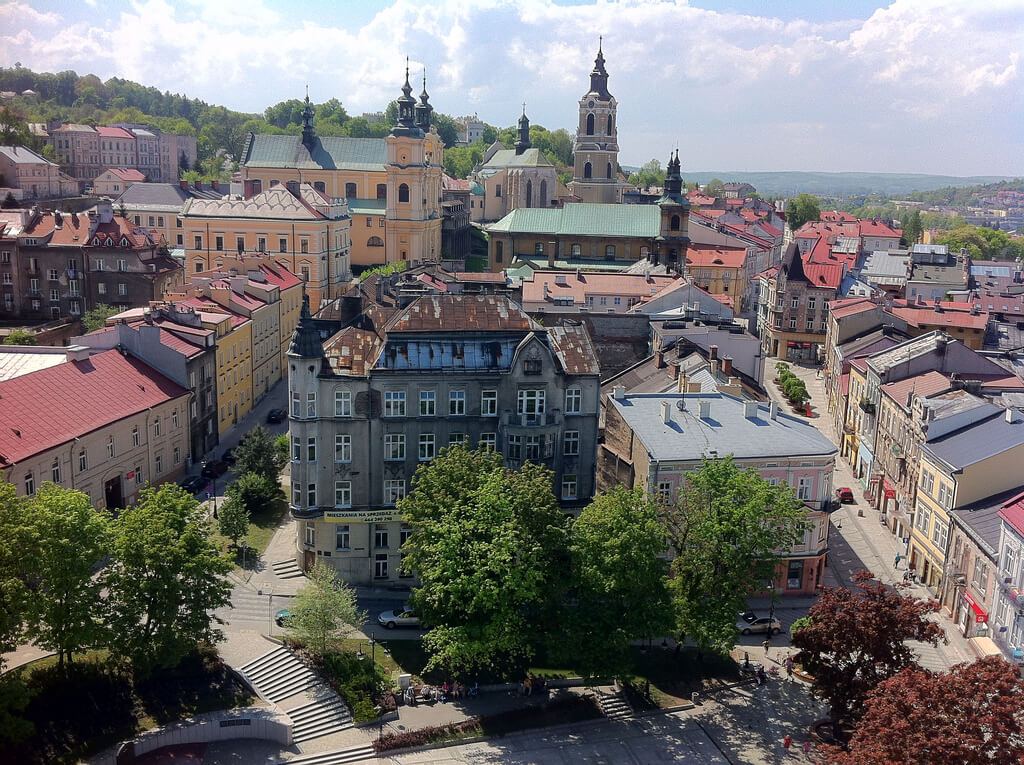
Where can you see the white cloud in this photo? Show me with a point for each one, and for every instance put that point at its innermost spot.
(911, 87)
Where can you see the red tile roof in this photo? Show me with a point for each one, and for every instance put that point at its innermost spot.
(849, 306)
(926, 384)
(877, 228)
(75, 231)
(126, 175)
(114, 132)
(578, 287)
(1013, 513)
(927, 316)
(837, 216)
(702, 255)
(44, 409)
(824, 274)
(207, 306)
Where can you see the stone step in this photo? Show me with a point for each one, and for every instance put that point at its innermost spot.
(319, 729)
(287, 569)
(614, 706)
(279, 674)
(320, 710)
(337, 757)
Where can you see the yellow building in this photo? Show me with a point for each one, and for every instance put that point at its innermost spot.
(958, 469)
(717, 269)
(855, 415)
(295, 225)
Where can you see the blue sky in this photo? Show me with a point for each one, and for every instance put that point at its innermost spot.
(932, 86)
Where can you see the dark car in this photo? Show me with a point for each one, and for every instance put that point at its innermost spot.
(214, 468)
(845, 495)
(275, 416)
(193, 485)
(228, 457)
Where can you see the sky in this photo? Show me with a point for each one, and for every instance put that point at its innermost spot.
(929, 86)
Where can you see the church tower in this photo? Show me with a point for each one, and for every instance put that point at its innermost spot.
(674, 229)
(414, 169)
(596, 147)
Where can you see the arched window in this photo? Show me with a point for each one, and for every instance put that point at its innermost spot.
(257, 186)
(588, 170)
(590, 124)
(542, 200)
(608, 171)
(320, 186)
(529, 193)
(350, 190)
(403, 193)
(609, 252)
(645, 252)
(382, 191)
(609, 131)
(674, 223)
(374, 241)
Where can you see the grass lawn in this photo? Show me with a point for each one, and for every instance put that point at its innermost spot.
(261, 529)
(410, 656)
(92, 705)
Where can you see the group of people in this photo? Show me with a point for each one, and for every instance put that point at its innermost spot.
(530, 684)
(454, 690)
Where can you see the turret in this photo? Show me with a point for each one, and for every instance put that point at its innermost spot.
(523, 142)
(423, 109)
(308, 131)
(406, 111)
(599, 77)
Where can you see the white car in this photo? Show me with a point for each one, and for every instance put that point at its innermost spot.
(400, 617)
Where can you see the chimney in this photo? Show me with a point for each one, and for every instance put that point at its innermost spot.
(705, 410)
(579, 274)
(713, 352)
(1011, 416)
(198, 185)
(666, 412)
(675, 371)
(727, 366)
(215, 185)
(750, 410)
(619, 392)
(773, 410)
(81, 353)
(683, 378)
(183, 185)
(659, 359)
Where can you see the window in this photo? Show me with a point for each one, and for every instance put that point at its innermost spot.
(342, 403)
(403, 193)
(380, 566)
(382, 191)
(83, 461)
(198, 241)
(342, 447)
(590, 124)
(810, 303)
(122, 288)
(609, 252)
(457, 438)
(394, 403)
(571, 443)
(350, 190)
(296, 403)
(665, 491)
(569, 486)
(538, 248)
(296, 449)
(928, 482)
(311, 404)
(809, 325)
(122, 265)
(311, 494)
(497, 190)
(924, 517)
(573, 401)
(55, 471)
(488, 441)
(158, 463)
(457, 403)
(138, 475)
(428, 403)
(531, 402)
(342, 537)
(515, 448)
(311, 449)
(261, 244)
(588, 169)
(380, 536)
(394, 490)
(296, 494)
(803, 489)
(575, 250)
(343, 494)
(792, 323)
(940, 533)
(795, 302)
(979, 580)
(795, 575)
(945, 495)
(394, 446)
(426, 451)
(53, 275)
(30, 484)
(177, 455)
(310, 535)
(218, 243)
(135, 435)
(533, 447)
(110, 447)
(157, 428)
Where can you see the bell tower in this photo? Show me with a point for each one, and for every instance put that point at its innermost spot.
(596, 147)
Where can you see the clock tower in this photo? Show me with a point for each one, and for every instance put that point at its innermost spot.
(596, 147)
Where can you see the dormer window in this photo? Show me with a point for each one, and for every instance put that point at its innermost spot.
(125, 242)
(96, 241)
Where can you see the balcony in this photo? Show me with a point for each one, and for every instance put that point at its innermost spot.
(867, 405)
(542, 420)
(306, 513)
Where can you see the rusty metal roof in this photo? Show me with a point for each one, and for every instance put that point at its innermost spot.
(453, 313)
(352, 351)
(574, 350)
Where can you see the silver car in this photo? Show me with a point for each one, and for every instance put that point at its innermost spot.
(760, 624)
(400, 617)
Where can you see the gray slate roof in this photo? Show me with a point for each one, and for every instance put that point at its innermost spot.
(981, 519)
(165, 194)
(508, 158)
(327, 153)
(974, 443)
(726, 431)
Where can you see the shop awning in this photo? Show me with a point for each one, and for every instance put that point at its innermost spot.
(890, 491)
(980, 615)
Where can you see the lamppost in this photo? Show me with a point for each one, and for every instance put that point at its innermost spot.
(245, 546)
(213, 486)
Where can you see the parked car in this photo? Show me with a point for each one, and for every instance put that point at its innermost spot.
(214, 468)
(193, 484)
(845, 495)
(275, 416)
(228, 457)
(760, 624)
(747, 616)
(401, 617)
(283, 618)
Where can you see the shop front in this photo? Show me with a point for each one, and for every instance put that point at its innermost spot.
(971, 617)
(862, 467)
(797, 351)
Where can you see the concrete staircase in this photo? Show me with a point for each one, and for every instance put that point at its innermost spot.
(287, 569)
(337, 757)
(278, 674)
(614, 705)
(319, 718)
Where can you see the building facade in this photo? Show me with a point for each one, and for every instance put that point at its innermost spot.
(36, 176)
(391, 390)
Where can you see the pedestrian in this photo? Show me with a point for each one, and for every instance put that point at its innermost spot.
(787, 742)
(789, 666)
(807, 747)
(896, 562)
(767, 644)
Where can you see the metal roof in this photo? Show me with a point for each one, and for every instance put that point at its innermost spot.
(326, 153)
(584, 219)
(981, 519)
(978, 441)
(358, 206)
(508, 158)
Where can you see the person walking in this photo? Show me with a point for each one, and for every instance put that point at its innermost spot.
(787, 742)
(896, 562)
(767, 644)
(807, 747)
(789, 666)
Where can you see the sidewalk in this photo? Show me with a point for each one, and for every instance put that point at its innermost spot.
(857, 539)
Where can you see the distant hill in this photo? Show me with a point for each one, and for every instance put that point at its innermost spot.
(841, 184)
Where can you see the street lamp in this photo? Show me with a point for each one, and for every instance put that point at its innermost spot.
(213, 486)
(245, 546)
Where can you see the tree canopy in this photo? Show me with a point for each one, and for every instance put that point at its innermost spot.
(488, 544)
(257, 454)
(324, 610)
(852, 640)
(20, 337)
(651, 173)
(982, 243)
(973, 714)
(726, 528)
(801, 210)
(97, 317)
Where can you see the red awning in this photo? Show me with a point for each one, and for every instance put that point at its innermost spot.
(980, 616)
(890, 492)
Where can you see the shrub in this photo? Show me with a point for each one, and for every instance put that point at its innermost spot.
(795, 390)
(361, 683)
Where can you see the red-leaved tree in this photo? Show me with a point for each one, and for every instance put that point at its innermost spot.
(854, 639)
(971, 715)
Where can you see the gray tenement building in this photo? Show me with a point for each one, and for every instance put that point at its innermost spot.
(389, 391)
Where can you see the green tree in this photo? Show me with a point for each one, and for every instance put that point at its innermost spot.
(726, 529)
(324, 610)
(619, 579)
(488, 545)
(447, 130)
(165, 578)
(66, 540)
(650, 173)
(255, 492)
(233, 518)
(715, 188)
(9, 203)
(801, 210)
(912, 229)
(97, 317)
(256, 453)
(13, 590)
(282, 449)
(460, 160)
(20, 337)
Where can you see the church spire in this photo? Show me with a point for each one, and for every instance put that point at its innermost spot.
(673, 182)
(308, 131)
(406, 110)
(423, 108)
(599, 76)
(523, 142)
(306, 341)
